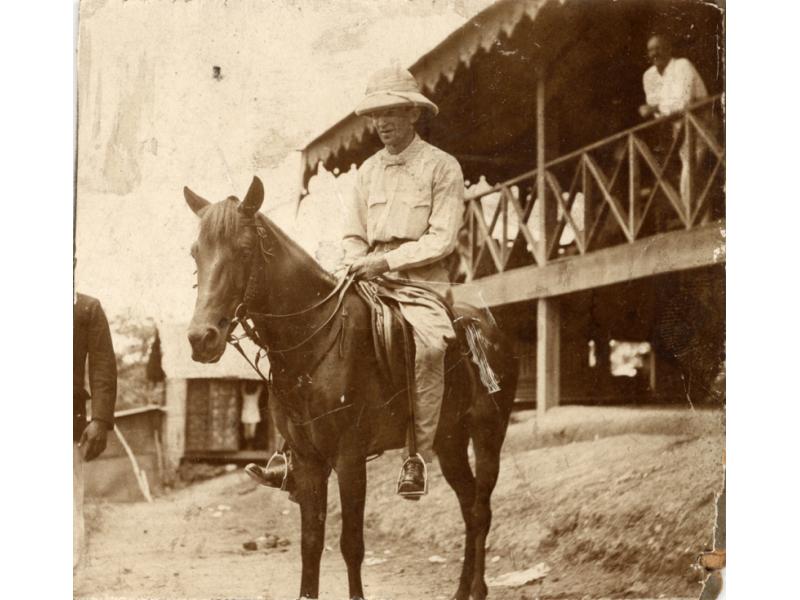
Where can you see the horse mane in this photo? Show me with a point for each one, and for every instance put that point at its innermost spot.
(220, 222)
(294, 249)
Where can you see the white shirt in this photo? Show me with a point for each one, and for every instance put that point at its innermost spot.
(672, 91)
(413, 201)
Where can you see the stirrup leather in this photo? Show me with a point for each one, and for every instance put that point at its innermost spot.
(424, 478)
(278, 460)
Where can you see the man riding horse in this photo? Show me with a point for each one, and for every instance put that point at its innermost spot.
(400, 223)
(334, 400)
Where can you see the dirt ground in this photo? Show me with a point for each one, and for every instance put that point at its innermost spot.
(618, 503)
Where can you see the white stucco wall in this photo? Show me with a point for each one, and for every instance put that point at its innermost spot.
(153, 119)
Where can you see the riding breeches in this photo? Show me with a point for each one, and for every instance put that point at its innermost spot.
(432, 331)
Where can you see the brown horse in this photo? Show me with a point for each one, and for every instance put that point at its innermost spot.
(330, 401)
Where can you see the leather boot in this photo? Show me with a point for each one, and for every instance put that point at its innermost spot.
(272, 476)
(413, 480)
(276, 474)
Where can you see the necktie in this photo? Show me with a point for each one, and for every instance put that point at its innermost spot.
(392, 160)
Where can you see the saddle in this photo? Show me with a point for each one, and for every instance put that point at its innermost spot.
(390, 334)
(393, 341)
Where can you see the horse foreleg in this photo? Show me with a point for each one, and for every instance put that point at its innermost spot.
(352, 474)
(311, 480)
(487, 440)
(454, 462)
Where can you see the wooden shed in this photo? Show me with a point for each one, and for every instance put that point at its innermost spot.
(204, 404)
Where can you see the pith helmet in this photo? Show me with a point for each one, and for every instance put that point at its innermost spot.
(392, 87)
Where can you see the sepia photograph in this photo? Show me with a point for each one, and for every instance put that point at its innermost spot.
(399, 299)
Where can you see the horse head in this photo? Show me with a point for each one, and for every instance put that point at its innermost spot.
(223, 254)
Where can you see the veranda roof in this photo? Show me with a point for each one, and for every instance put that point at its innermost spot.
(483, 78)
(458, 48)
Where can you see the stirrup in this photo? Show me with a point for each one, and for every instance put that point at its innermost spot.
(278, 460)
(413, 495)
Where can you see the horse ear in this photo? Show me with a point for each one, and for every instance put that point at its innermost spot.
(255, 196)
(195, 202)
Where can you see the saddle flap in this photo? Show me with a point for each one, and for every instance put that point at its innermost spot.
(387, 333)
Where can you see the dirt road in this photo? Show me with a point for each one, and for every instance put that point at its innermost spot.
(622, 515)
(191, 546)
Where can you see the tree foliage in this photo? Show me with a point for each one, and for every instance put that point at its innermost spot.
(133, 338)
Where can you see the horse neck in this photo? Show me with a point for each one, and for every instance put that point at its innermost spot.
(292, 280)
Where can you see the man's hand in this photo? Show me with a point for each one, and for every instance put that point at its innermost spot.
(369, 267)
(93, 439)
(647, 111)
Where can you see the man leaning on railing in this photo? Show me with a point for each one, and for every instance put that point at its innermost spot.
(670, 86)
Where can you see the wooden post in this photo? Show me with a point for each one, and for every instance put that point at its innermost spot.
(547, 319)
(589, 210)
(687, 171)
(548, 350)
(471, 232)
(541, 181)
(653, 381)
(174, 425)
(634, 203)
(504, 250)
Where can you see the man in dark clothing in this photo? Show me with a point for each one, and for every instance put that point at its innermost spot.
(90, 338)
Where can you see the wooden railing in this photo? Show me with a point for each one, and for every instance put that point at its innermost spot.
(663, 175)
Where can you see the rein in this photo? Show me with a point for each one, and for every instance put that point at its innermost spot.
(242, 315)
(340, 290)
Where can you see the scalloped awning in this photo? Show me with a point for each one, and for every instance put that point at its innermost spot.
(483, 77)
(480, 32)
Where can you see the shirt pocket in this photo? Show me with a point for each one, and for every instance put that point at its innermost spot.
(417, 203)
(376, 207)
(375, 201)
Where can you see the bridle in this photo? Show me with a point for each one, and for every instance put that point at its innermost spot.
(246, 318)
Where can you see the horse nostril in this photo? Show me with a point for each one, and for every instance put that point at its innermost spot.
(203, 339)
(210, 337)
(195, 337)
(223, 323)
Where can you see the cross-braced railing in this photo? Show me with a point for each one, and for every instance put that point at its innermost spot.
(663, 175)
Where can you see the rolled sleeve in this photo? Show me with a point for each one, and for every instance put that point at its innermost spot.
(447, 206)
(102, 367)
